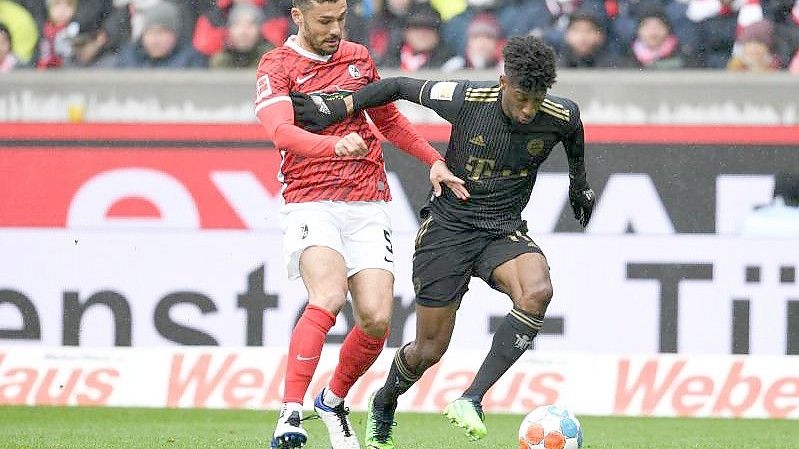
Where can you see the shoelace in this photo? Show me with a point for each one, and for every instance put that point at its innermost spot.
(310, 417)
(341, 413)
(383, 427)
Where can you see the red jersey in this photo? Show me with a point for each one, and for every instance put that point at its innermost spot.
(329, 177)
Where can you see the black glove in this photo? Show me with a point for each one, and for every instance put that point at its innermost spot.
(582, 199)
(315, 113)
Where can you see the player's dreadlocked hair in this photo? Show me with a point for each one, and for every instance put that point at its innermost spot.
(529, 63)
(304, 4)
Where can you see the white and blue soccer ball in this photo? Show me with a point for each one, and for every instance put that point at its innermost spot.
(550, 427)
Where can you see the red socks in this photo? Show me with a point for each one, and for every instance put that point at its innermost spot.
(358, 352)
(304, 351)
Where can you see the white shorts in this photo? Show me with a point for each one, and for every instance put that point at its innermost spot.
(359, 230)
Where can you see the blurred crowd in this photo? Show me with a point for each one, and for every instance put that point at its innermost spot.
(448, 35)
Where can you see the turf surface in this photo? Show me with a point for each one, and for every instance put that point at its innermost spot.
(45, 427)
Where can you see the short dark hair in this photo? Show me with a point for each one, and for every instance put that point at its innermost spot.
(304, 4)
(529, 63)
(586, 16)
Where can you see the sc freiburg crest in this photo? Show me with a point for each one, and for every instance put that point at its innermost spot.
(354, 72)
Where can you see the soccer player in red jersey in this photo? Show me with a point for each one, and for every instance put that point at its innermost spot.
(337, 232)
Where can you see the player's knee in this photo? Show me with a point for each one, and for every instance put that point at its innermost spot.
(535, 298)
(431, 352)
(376, 325)
(329, 299)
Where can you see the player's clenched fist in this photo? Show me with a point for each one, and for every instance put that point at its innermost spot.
(351, 145)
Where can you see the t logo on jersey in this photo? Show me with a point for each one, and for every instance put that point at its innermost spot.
(479, 167)
(354, 72)
(535, 146)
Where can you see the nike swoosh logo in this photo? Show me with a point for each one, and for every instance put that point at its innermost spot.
(304, 79)
(303, 359)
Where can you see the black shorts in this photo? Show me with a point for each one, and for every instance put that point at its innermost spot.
(445, 260)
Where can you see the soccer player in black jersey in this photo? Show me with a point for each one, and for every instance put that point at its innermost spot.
(501, 134)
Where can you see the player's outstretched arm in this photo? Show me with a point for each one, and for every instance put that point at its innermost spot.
(315, 113)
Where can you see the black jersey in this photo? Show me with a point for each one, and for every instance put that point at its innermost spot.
(496, 156)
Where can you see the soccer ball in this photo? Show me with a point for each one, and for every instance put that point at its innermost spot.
(550, 427)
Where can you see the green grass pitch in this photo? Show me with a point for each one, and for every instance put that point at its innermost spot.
(56, 427)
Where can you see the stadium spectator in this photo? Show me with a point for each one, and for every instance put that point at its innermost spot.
(753, 50)
(188, 11)
(89, 14)
(584, 43)
(99, 30)
(483, 46)
(715, 24)
(560, 13)
(780, 218)
(655, 46)
(22, 28)
(212, 26)
(55, 44)
(421, 47)
(7, 58)
(386, 28)
(99, 40)
(784, 14)
(624, 17)
(159, 46)
(244, 44)
(454, 32)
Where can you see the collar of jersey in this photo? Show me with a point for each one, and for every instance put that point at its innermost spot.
(291, 43)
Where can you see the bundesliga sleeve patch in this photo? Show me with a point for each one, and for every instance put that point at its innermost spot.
(443, 90)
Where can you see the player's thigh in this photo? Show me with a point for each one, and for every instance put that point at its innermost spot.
(442, 264)
(525, 278)
(366, 237)
(372, 292)
(306, 225)
(324, 274)
(516, 266)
